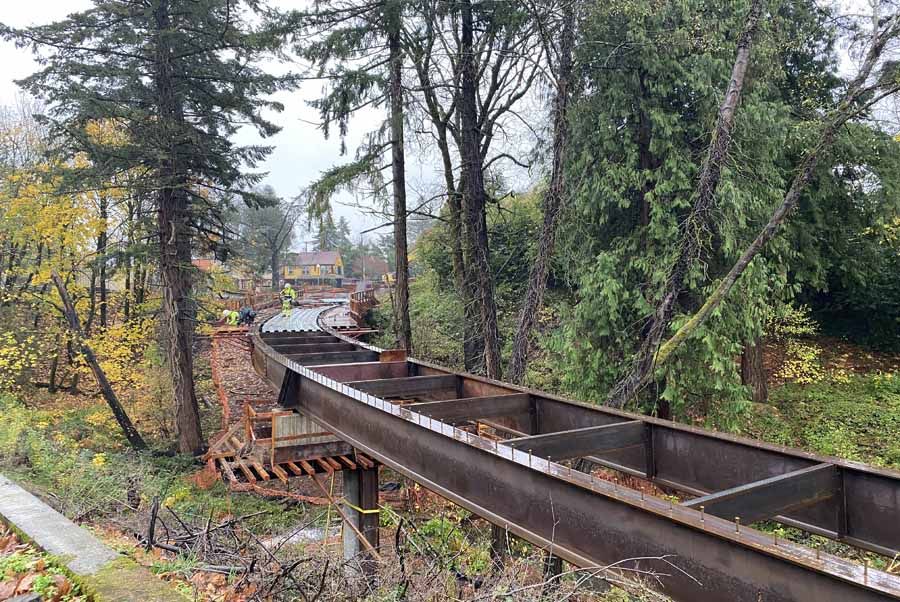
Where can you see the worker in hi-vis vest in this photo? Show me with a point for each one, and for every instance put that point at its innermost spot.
(230, 317)
(288, 295)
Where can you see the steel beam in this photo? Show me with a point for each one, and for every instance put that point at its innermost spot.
(474, 408)
(360, 489)
(586, 522)
(410, 386)
(364, 371)
(333, 357)
(697, 461)
(590, 522)
(773, 496)
(289, 348)
(578, 443)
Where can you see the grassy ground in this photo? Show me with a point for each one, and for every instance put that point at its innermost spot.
(857, 417)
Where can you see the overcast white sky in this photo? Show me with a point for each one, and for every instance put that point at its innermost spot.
(300, 154)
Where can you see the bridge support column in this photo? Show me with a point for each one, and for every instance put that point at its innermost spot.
(553, 566)
(361, 494)
(499, 545)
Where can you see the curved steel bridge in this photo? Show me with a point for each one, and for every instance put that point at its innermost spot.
(418, 418)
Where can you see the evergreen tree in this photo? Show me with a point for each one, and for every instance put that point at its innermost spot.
(360, 47)
(329, 235)
(639, 135)
(179, 77)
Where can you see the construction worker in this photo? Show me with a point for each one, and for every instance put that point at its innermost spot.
(288, 295)
(230, 317)
(246, 316)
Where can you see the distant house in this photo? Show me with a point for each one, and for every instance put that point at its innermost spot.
(325, 267)
(207, 264)
(369, 267)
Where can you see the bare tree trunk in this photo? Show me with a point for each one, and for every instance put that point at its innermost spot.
(472, 344)
(92, 297)
(553, 204)
(474, 200)
(697, 222)
(175, 251)
(140, 283)
(54, 366)
(404, 330)
(753, 373)
(178, 317)
(131, 433)
(129, 261)
(273, 263)
(102, 243)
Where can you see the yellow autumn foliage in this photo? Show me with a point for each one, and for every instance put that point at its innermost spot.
(17, 357)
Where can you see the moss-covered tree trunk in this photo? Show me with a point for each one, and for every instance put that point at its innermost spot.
(552, 206)
(398, 169)
(474, 197)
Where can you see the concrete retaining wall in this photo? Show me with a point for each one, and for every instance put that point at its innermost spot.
(102, 572)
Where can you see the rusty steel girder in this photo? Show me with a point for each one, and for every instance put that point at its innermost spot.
(595, 523)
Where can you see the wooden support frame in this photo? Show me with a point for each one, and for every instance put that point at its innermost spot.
(578, 443)
(408, 386)
(474, 408)
(770, 497)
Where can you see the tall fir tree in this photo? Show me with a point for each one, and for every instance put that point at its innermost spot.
(179, 77)
(359, 48)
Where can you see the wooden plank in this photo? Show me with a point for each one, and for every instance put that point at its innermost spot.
(474, 408)
(577, 443)
(773, 496)
(248, 474)
(219, 455)
(406, 386)
(294, 469)
(308, 468)
(325, 465)
(334, 464)
(365, 462)
(262, 471)
(280, 473)
(227, 471)
(347, 462)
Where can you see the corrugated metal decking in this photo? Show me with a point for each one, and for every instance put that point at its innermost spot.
(302, 319)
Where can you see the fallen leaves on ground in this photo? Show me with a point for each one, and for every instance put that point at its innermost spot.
(24, 569)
